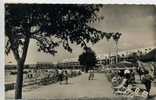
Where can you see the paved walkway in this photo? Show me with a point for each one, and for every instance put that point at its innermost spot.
(79, 87)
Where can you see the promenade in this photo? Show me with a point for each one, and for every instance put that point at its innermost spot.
(78, 87)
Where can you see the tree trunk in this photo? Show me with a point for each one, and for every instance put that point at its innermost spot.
(20, 66)
(87, 68)
(19, 80)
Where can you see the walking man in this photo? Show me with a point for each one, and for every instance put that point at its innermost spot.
(60, 75)
(91, 74)
(147, 80)
(66, 76)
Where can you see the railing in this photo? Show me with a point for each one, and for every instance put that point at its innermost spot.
(41, 81)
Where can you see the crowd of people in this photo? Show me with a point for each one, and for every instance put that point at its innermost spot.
(45, 76)
(64, 74)
(120, 75)
(126, 77)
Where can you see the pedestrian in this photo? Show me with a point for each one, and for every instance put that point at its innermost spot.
(127, 73)
(116, 80)
(127, 76)
(121, 73)
(140, 72)
(60, 74)
(66, 76)
(91, 74)
(147, 80)
(132, 78)
(140, 69)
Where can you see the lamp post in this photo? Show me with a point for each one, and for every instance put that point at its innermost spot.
(108, 37)
(116, 38)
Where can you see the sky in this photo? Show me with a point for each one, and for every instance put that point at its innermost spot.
(136, 23)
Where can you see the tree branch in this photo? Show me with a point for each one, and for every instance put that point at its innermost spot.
(25, 48)
(85, 45)
(16, 55)
(38, 39)
(14, 50)
(38, 31)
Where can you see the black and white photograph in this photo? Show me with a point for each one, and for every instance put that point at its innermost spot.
(80, 51)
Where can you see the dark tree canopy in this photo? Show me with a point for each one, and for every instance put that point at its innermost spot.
(108, 36)
(69, 23)
(88, 58)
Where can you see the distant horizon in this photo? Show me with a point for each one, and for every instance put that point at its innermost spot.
(130, 51)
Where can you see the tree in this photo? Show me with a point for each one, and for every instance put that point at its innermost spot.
(116, 38)
(43, 23)
(88, 59)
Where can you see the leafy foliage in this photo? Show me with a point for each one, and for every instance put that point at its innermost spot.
(108, 36)
(69, 23)
(116, 36)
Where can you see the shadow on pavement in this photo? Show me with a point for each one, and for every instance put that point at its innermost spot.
(152, 97)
